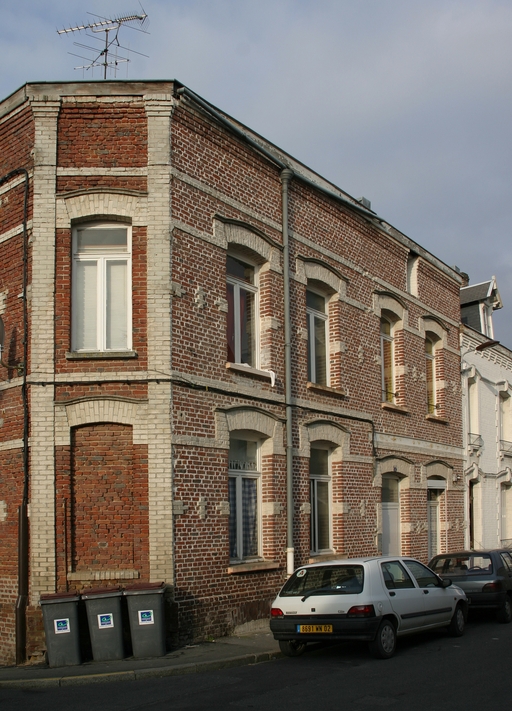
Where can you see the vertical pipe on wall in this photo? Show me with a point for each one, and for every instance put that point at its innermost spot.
(286, 176)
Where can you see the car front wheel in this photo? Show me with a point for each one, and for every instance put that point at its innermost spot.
(384, 644)
(504, 614)
(292, 647)
(457, 623)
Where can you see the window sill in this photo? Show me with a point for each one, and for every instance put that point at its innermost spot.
(394, 408)
(249, 370)
(100, 355)
(254, 567)
(325, 389)
(436, 418)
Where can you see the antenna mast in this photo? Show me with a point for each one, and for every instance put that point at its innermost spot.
(106, 25)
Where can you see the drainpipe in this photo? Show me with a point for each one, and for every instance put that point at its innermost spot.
(23, 533)
(286, 176)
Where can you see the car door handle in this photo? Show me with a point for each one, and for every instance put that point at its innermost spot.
(392, 594)
(425, 592)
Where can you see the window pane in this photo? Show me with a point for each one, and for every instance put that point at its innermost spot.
(102, 239)
(389, 490)
(246, 326)
(249, 517)
(320, 353)
(322, 507)
(238, 269)
(231, 323)
(116, 306)
(233, 550)
(242, 455)
(319, 462)
(387, 370)
(85, 306)
(431, 400)
(315, 301)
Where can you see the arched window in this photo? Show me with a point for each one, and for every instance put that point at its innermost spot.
(320, 496)
(430, 358)
(241, 292)
(101, 317)
(317, 337)
(244, 481)
(387, 360)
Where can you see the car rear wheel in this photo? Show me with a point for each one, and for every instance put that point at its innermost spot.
(457, 623)
(504, 614)
(292, 647)
(384, 644)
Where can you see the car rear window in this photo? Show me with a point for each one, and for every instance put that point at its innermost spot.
(326, 579)
(465, 564)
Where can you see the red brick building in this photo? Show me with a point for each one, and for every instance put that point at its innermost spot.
(216, 364)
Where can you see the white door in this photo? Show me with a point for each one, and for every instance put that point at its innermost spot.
(390, 516)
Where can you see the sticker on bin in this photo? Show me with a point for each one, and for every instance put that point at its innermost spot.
(62, 626)
(146, 617)
(106, 621)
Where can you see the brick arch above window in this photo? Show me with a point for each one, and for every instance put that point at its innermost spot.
(327, 432)
(399, 466)
(309, 271)
(252, 420)
(100, 204)
(238, 237)
(386, 303)
(429, 325)
(85, 411)
(437, 469)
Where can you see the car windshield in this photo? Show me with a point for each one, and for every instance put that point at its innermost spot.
(325, 580)
(462, 564)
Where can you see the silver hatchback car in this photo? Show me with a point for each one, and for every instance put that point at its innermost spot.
(373, 599)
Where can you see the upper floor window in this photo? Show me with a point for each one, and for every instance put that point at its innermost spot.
(101, 312)
(320, 483)
(430, 356)
(387, 360)
(242, 303)
(505, 422)
(317, 338)
(244, 509)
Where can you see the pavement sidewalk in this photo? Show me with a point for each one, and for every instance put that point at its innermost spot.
(234, 651)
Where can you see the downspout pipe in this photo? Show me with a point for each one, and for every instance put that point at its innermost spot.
(23, 529)
(286, 176)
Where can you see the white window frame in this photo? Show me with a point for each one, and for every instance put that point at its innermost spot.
(239, 284)
(238, 475)
(312, 315)
(431, 362)
(390, 396)
(314, 478)
(102, 258)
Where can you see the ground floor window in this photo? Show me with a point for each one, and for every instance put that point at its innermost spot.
(244, 484)
(320, 484)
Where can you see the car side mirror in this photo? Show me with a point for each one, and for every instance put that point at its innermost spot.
(445, 582)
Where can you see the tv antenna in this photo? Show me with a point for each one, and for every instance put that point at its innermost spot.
(110, 26)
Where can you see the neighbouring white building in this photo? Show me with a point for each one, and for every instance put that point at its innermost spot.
(487, 406)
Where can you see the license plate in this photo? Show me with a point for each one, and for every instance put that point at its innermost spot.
(314, 629)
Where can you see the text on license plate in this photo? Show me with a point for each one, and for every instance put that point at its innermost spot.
(314, 629)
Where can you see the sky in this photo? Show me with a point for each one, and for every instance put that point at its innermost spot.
(405, 102)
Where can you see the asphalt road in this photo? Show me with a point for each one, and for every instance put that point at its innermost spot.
(429, 672)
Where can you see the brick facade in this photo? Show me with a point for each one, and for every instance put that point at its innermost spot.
(131, 475)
